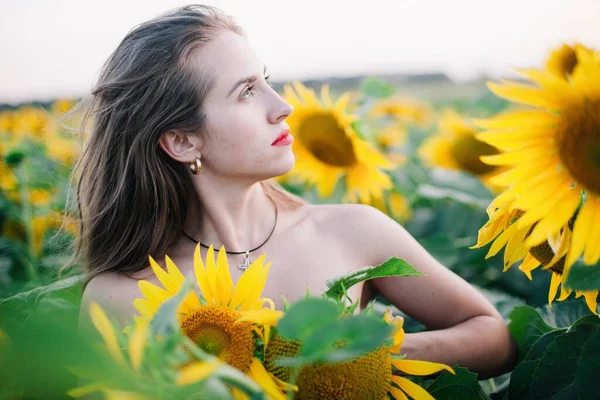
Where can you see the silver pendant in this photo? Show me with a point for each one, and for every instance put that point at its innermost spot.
(246, 263)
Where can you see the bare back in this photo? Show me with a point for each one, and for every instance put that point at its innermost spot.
(306, 250)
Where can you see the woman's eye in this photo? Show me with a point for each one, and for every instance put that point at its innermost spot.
(247, 92)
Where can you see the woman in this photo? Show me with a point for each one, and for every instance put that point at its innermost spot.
(187, 133)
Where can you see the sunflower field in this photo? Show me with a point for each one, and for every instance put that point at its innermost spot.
(499, 182)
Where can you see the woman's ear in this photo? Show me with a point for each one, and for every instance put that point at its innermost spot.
(181, 146)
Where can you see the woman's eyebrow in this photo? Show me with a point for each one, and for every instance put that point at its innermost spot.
(249, 79)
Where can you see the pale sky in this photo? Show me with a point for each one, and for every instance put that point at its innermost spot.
(55, 48)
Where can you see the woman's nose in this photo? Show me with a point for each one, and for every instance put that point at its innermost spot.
(281, 110)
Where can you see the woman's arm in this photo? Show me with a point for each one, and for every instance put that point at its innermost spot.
(467, 329)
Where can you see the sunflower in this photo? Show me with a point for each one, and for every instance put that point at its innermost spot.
(223, 320)
(397, 206)
(328, 146)
(553, 154)
(390, 139)
(402, 109)
(563, 60)
(391, 136)
(131, 360)
(552, 254)
(456, 147)
(370, 376)
(503, 230)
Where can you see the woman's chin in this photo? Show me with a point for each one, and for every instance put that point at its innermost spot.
(284, 165)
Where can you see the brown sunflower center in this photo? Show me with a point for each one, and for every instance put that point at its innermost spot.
(578, 142)
(544, 254)
(466, 150)
(366, 377)
(326, 140)
(567, 62)
(216, 331)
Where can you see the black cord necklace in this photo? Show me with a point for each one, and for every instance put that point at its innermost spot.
(247, 261)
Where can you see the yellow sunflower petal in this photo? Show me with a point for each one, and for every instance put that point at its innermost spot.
(515, 249)
(263, 316)
(555, 87)
(553, 221)
(420, 368)
(328, 180)
(151, 291)
(517, 138)
(165, 279)
(554, 282)
(545, 190)
(522, 172)
(197, 371)
(397, 394)
(501, 240)
(325, 96)
(412, 389)
(581, 231)
(202, 278)
(591, 299)
(253, 300)
(523, 94)
(564, 293)
(529, 264)
(342, 103)
(106, 330)
(592, 248)
(224, 275)
(307, 94)
(137, 342)
(153, 297)
(247, 282)
(516, 157)
(259, 374)
(174, 272)
(212, 276)
(521, 118)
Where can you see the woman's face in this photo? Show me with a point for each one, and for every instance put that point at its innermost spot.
(243, 116)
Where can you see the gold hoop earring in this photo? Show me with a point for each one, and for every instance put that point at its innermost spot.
(195, 166)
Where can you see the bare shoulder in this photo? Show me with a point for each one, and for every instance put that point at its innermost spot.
(114, 292)
(356, 227)
(344, 213)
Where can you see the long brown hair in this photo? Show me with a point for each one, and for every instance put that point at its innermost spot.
(132, 198)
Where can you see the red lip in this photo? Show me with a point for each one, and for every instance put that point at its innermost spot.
(284, 136)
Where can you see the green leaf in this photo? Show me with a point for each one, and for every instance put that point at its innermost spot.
(521, 375)
(584, 277)
(458, 186)
(569, 367)
(306, 315)
(392, 267)
(347, 338)
(341, 340)
(374, 87)
(63, 295)
(435, 192)
(165, 321)
(565, 313)
(462, 386)
(527, 326)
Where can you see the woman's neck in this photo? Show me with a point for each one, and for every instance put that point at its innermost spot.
(238, 217)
